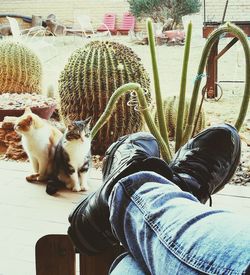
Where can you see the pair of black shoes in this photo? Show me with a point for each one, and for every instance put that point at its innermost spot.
(202, 167)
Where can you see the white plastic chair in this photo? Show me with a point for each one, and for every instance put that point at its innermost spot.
(38, 44)
(17, 33)
(84, 26)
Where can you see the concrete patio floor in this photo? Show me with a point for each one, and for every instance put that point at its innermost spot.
(27, 213)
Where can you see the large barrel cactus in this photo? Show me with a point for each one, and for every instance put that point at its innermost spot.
(170, 109)
(90, 77)
(21, 69)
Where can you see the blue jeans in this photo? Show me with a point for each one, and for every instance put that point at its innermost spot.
(168, 231)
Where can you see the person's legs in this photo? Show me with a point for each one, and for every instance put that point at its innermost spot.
(167, 231)
(126, 264)
(201, 167)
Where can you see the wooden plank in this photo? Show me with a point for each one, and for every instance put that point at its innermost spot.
(55, 255)
(99, 264)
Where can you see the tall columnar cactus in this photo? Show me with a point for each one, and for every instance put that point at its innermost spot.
(87, 82)
(21, 69)
(170, 110)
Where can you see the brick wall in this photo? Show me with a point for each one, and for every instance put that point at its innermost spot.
(238, 10)
(65, 9)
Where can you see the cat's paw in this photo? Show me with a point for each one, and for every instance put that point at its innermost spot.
(42, 178)
(69, 186)
(32, 178)
(84, 187)
(76, 189)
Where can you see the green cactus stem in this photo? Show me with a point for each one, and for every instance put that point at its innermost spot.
(181, 106)
(158, 98)
(171, 110)
(143, 107)
(213, 38)
(21, 69)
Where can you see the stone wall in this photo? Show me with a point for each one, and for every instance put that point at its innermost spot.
(10, 140)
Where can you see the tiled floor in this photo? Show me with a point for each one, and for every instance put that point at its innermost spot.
(27, 213)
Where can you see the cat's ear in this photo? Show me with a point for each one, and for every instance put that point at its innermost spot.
(27, 110)
(87, 122)
(29, 120)
(37, 121)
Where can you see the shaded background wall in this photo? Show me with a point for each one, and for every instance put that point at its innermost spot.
(238, 10)
(65, 10)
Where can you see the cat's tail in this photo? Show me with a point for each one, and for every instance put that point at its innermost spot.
(53, 186)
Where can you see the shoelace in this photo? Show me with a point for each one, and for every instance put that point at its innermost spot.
(185, 187)
(199, 165)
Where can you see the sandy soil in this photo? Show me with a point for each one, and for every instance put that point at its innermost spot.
(54, 53)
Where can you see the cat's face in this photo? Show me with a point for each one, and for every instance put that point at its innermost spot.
(27, 121)
(23, 124)
(78, 130)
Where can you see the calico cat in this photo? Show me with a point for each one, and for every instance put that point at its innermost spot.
(72, 158)
(39, 140)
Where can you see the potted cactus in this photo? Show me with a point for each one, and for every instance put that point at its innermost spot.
(21, 82)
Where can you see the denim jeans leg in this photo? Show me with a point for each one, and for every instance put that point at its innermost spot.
(126, 264)
(168, 231)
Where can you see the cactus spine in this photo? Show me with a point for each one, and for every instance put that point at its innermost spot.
(192, 109)
(87, 82)
(170, 110)
(21, 69)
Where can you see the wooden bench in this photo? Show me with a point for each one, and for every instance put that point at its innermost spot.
(55, 255)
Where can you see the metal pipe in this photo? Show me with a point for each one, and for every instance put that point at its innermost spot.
(204, 12)
(224, 13)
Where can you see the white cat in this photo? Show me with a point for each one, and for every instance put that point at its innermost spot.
(39, 139)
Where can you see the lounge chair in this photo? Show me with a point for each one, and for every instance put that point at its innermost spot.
(17, 33)
(84, 26)
(128, 23)
(108, 23)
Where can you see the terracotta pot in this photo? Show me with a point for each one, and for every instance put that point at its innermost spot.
(174, 35)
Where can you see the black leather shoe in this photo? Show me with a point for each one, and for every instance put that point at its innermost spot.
(210, 158)
(90, 229)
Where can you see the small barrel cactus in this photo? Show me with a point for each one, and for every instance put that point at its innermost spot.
(170, 109)
(21, 69)
(88, 80)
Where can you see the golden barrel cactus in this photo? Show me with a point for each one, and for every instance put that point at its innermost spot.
(170, 108)
(20, 67)
(90, 77)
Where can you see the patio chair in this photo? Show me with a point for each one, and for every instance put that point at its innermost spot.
(82, 25)
(85, 24)
(55, 255)
(17, 33)
(108, 23)
(128, 23)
